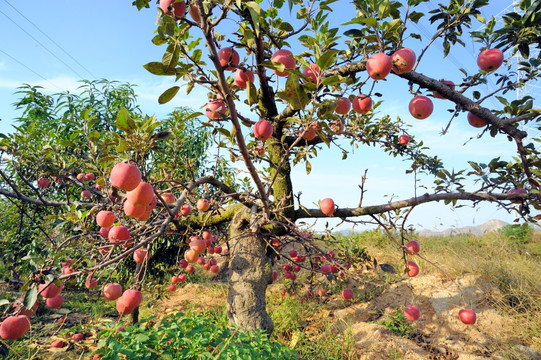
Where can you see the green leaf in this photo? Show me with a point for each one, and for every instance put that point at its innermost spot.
(251, 93)
(354, 33)
(296, 96)
(157, 68)
(30, 297)
(170, 58)
(4, 302)
(124, 121)
(168, 94)
(327, 59)
(308, 167)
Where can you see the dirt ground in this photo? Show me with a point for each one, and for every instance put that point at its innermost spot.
(439, 332)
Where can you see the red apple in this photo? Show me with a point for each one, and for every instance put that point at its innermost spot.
(142, 195)
(50, 291)
(132, 210)
(362, 104)
(325, 268)
(57, 344)
(286, 267)
(293, 253)
(263, 130)
(78, 337)
(337, 126)
(313, 72)
(182, 277)
(183, 263)
(446, 82)
(467, 316)
(185, 209)
(191, 256)
(379, 66)
(490, 60)
(218, 250)
(125, 176)
(175, 279)
(85, 194)
(412, 312)
(54, 302)
(321, 292)
(90, 176)
(412, 247)
(198, 245)
(216, 110)
(91, 283)
(190, 269)
(310, 134)
(129, 300)
(172, 288)
(140, 255)
(104, 232)
(343, 105)
(179, 7)
(119, 234)
(296, 268)
(421, 107)
(347, 294)
(21, 310)
(476, 121)
(228, 56)
(517, 191)
(194, 13)
(105, 218)
(215, 269)
(14, 327)
(288, 274)
(413, 268)
(201, 261)
(43, 182)
(242, 77)
(206, 267)
(403, 60)
(169, 198)
(403, 139)
(327, 206)
(203, 204)
(81, 176)
(274, 275)
(112, 291)
(283, 56)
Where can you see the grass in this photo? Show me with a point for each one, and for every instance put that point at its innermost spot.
(510, 260)
(307, 326)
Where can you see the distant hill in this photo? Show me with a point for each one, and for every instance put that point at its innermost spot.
(489, 226)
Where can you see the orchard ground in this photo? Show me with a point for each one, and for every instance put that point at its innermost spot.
(494, 274)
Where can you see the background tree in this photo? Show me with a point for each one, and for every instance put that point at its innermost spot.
(298, 102)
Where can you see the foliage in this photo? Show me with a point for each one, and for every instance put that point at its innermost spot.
(188, 336)
(398, 324)
(517, 233)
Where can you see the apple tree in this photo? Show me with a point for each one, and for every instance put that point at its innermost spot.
(288, 81)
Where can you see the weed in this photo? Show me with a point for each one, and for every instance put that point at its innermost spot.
(398, 325)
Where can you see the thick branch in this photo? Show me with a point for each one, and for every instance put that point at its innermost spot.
(379, 209)
(466, 103)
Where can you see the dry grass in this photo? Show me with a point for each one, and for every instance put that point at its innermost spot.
(512, 267)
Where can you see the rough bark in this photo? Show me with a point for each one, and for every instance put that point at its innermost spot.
(250, 273)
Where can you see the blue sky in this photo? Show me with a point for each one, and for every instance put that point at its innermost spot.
(112, 40)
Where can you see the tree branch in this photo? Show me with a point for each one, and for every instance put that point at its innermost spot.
(378, 209)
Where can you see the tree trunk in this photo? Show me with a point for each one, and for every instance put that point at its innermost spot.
(250, 271)
(139, 274)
